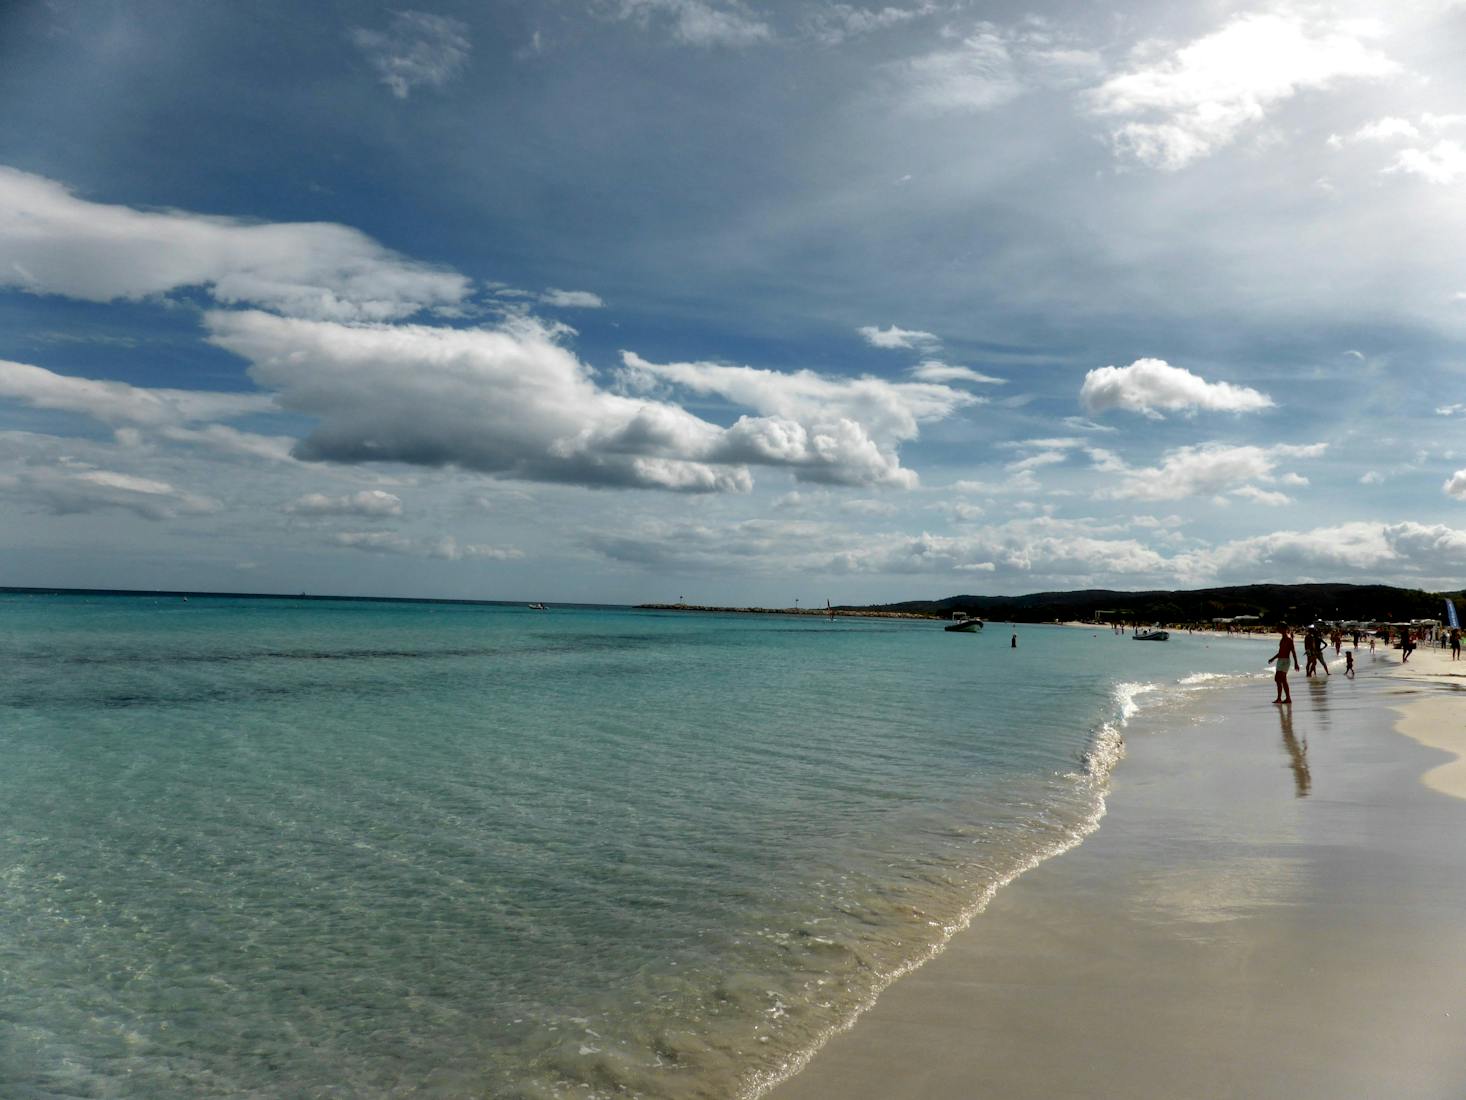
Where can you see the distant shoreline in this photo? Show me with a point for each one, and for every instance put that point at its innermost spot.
(815, 612)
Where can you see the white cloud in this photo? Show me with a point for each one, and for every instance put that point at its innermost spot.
(367, 502)
(700, 22)
(1269, 497)
(52, 242)
(120, 403)
(222, 439)
(444, 547)
(513, 401)
(72, 488)
(1151, 386)
(1189, 103)
(834, 23)
(1372, 549)
(507, 401)
(1443, 162)
(1038, 461)
(1455, 485)
(895, 337)
(707, 547)
(1037, 548)
(976, 76)
(571, 299)
(1206, 469)
(933, 370)
(1371, 477)
(837, 430)
(418, 49)
(1381, 129)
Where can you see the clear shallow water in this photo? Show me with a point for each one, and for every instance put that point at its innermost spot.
(278, 848)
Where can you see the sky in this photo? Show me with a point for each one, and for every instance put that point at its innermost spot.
(734, 302)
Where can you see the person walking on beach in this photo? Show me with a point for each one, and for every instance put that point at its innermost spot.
(1455, 644)
(1349, 664)
(1286, 653)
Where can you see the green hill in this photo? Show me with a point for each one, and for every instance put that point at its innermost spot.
(1271, 603)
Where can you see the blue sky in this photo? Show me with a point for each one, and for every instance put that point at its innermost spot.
(629, 300)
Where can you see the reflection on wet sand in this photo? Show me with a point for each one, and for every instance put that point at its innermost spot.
(1297, 754)
(1318, 695)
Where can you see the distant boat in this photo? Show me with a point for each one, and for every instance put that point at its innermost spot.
(963, 624)
(1151, 635)
(536, 607)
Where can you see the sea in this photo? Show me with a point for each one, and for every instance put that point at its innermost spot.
(257, 847)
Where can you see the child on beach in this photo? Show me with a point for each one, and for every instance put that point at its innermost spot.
(1349, 664)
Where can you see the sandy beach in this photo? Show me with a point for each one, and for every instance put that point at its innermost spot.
(1273, 907)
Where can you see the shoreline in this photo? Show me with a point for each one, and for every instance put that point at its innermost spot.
(1269, 908)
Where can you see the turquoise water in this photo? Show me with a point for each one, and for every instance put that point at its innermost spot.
(284, 848)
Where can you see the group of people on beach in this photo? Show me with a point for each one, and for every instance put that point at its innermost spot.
(1313, 650)
(1314, 646)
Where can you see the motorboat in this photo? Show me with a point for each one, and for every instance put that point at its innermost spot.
(536, 607)
(963, 624)
(1152, 635)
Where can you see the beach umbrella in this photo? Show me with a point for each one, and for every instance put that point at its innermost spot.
(1451, 619)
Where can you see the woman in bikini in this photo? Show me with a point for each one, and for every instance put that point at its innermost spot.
(1286, 653)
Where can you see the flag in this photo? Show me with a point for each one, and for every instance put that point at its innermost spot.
(1451, 620)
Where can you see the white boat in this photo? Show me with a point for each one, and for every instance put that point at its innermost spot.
(964, 624)
(536, 607)
(1152, 635)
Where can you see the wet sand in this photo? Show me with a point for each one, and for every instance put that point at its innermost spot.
(1275, 906)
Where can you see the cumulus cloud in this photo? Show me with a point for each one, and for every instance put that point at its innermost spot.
(933, 370)
(514, 401)
(417, 49)
(571, 299)
(1153, 386)
(835, 430)
(444, 547)
(1206, 469)
(890, 411)
(70, 488)
(1455, 485)
(367, 502)
(1185, 104)
(1400, 550)
(508, 401)
(895, 337)
(699, 22)
(52, 242)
